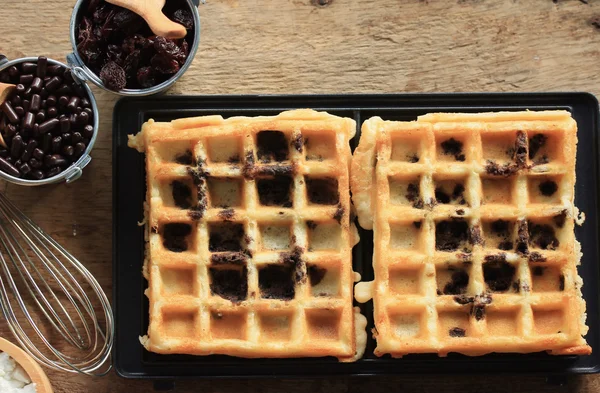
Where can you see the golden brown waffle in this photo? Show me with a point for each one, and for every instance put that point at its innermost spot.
(474, 246)
(249, 236)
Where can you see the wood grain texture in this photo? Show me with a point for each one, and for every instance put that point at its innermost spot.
(297, 46)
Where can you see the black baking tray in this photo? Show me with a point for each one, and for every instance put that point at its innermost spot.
(131, 306)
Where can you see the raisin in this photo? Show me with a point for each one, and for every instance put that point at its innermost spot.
(183, 17)
(185, 49)
(117, 45)
(114, 53)
(113, 76)
(84, 31)
(131, 63)
(145, 77)
(164, 65)
(128, 22)
(167, 48)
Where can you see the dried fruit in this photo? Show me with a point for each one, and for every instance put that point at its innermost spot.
(184, 17)
(168, 48)
(164, 65)
(114, 53)
(131, 63)
(113, 76)
(185, 49)
(145, 77)
(128, 22)
(118, 45)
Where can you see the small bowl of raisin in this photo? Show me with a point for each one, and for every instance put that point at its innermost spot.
(115, 49)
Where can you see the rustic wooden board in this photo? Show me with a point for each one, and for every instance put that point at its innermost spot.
(298, 46)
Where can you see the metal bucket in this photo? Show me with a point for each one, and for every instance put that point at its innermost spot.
(84, 73)
(74, 171)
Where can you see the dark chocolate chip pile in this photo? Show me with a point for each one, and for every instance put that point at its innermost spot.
(175, 236)
(452, 147)
(449, 235)
(231, 284)
(277, 282)
(322, 191)
(119, 47)
(46, 121)
(457, 284)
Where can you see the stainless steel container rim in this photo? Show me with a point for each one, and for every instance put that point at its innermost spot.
(74, 171)
(83, 72)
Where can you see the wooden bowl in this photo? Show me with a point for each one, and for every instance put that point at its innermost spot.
(31, 367)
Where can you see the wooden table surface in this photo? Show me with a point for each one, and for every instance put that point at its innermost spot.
(318, 46)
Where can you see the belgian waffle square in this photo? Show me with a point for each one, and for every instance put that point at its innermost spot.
(474, 245)
(249, 237)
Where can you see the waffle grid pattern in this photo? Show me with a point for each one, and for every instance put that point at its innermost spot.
(473, 222)
(249, 237)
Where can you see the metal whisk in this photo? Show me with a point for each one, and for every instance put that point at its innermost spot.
(49, 312)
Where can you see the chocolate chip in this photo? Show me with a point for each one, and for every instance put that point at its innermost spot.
(229, 258)
(175, 236)
(457, 194)
(560, 219)
(315, 274)
(412, 195)
(505, 245)
(542, 236)
(230, 284)
(226, 214)
(275, 170)
(277, 282)
(522, 237)
(505, 170)
(248, 169)
(294, 258)
(475, 235)
(536, 257)
(548, 188)
(516, 285)
(225, 236)
(561, 282)
(454, 148)
(478, 312)
(272, 146)
(463, 299)
(457, 284)
(520, 156)
(500, 258)
(182, 194)
(457, 332)
(450, 234)
(298, 143)
(275, 191)
(339, 213)
(535, 144)
(417, 224)
(322, 191)
(537, 271)
(500, 227)
(497, 273)
(185, 158)
(196, 215)
(441, 196)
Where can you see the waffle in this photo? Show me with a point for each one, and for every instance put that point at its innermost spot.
(473, 220)
(249, 237)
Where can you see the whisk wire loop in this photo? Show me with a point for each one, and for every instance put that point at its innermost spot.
(50, 273)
